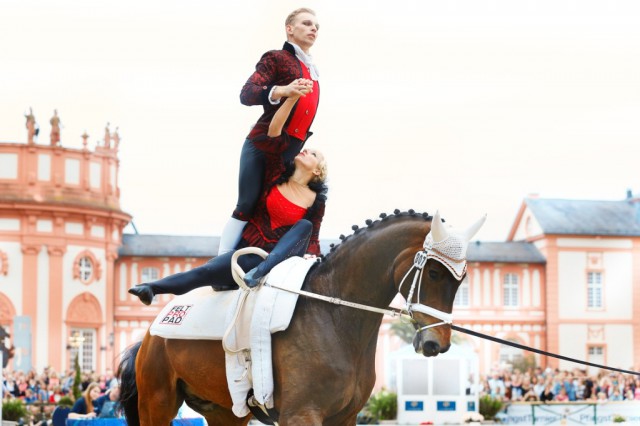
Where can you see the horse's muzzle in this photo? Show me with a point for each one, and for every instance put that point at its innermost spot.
(427, 343)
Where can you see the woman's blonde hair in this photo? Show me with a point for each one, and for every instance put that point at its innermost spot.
(322, 176)
(87, 397)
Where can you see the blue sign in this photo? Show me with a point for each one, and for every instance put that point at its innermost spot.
(414, 406)
(22, 342)
(446, 406)
(471, 406)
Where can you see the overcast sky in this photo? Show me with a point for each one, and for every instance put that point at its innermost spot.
(462, 106)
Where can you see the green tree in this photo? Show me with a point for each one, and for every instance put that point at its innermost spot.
(77, 380)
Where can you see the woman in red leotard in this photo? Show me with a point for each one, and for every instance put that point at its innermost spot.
(286, 221)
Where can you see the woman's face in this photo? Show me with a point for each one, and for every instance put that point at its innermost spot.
(309, 159)
(94, 393)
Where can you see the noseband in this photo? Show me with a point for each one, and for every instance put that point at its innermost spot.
(419, 261)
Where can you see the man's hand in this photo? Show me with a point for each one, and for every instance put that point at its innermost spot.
(295, 89)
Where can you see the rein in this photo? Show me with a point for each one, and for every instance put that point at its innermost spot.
(538, 351)
(406, 314)
(419, 262)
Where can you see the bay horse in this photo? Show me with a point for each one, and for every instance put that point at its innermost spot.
(324, 363)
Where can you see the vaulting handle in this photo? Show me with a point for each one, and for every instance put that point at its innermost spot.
(236, 270)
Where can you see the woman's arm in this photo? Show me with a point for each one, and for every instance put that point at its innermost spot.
(79, 409)
(280, 117)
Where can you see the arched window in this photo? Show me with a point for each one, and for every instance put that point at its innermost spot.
(86, 267)
(510, 290)
(82, 344)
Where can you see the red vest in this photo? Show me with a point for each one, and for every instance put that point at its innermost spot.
(305, 110)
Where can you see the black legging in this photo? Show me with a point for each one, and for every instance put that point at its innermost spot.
(251, 179)
(217, 271)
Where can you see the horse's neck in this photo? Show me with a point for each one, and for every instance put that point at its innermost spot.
(365, 270)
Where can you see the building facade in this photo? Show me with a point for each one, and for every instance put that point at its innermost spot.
(567, 280)
(60, 231)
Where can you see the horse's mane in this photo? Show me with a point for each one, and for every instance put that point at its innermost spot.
(371, 224)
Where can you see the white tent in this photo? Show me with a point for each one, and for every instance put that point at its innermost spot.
(440, 389)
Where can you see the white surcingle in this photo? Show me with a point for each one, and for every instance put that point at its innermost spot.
(449, 246)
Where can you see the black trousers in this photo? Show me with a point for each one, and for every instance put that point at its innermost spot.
(251, 178)
(217, 271)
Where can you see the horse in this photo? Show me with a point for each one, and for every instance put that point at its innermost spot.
(324, 363)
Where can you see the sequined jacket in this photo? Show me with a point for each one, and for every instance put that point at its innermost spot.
(275, 68)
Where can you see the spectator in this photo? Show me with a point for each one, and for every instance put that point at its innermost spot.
(107, 404)
(517, 390)
(547, 394)
(562, 396)
(55, 394)
(84, 408)
(530, 396)
(496, 385)
(616, 395)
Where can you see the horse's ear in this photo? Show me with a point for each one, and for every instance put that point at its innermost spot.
(438, 230)
(473, 229)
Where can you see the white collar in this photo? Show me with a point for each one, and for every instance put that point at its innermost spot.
(307, 60)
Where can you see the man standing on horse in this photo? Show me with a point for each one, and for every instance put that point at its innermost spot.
(279, 74)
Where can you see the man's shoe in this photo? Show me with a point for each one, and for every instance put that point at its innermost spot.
(144, 293)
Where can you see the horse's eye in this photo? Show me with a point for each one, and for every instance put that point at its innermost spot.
(433, 275)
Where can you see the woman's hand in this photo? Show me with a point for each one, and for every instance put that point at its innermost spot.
(295, 89)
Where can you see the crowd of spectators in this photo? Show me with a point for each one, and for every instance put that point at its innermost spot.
(49, 385)
(41, 392)
(546, 385)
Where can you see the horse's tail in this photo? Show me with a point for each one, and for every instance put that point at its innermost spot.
(128, 386)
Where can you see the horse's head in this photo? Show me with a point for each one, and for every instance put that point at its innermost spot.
(440, 268)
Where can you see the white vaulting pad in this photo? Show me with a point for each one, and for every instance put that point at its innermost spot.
(203, 313)
(199, 314)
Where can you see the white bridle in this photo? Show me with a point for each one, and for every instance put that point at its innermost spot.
(418, 265)
(448, 247)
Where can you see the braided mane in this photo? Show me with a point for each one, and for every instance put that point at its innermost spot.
(384, 217)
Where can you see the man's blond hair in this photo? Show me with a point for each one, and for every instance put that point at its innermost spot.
(292, 15)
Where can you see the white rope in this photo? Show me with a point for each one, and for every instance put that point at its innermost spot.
(238, 276)
(338, 301)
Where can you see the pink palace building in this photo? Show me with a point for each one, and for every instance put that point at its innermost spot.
(567, 280)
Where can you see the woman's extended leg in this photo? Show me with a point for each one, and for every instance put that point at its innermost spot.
(294, 243)
(216, 273)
